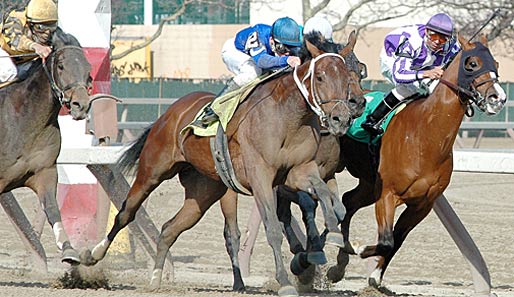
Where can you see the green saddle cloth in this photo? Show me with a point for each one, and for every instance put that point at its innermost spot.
(356, 132)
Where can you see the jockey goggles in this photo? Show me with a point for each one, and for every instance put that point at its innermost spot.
(436, 36)
(281, 48)
(43, 27)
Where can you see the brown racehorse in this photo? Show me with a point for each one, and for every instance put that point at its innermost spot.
(416, 155)
(30, 132)
(273, 139)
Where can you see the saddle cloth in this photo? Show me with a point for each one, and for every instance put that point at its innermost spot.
(225, 106)
(373, 99)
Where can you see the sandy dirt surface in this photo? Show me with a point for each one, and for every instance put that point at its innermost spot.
(428, 264)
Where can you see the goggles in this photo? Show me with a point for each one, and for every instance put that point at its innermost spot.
(435, 36)
(43, 27)
(281, 48)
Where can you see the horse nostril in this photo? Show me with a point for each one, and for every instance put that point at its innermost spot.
(77, 105)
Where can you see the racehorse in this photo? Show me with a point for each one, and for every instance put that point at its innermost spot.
(272, 138)
(416, 155)
(30, 130)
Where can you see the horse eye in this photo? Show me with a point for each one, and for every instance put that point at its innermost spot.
(473, 64)
(60, 66)
(319, 78)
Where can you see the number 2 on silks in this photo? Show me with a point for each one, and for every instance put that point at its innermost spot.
(252, 41)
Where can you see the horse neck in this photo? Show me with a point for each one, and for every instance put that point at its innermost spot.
(40, 106)
(437, 117)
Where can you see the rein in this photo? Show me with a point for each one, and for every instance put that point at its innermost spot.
(316, 103)
(57, 91)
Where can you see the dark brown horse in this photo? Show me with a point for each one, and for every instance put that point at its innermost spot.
(30, 132)
(416, 155)
(273, 139)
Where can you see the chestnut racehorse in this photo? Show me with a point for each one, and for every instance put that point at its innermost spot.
(416, 155)
(272, 138)
(30, 132)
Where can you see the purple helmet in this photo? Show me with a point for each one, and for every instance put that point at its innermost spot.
(441, 23)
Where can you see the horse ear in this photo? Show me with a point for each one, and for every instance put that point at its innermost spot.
(313, 50)
(483, 39)
(352, 39)
(463, 42)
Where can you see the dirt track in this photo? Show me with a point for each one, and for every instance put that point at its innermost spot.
(428, 264)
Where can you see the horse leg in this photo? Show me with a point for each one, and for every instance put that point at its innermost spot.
(261, 179)
(284, 198)
(313, 253)
(306, 178)
(339, 207)
(359, 197)
(44, 183)
(200, 194)
(232, 236)
(410, 218)
(384, 213)
(147, 179)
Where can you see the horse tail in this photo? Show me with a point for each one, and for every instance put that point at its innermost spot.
(128, 160)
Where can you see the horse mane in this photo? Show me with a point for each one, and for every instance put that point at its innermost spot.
(316, 39)
(60, 39)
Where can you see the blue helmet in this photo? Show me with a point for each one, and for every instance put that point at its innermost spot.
(441, 23)
(286, 31)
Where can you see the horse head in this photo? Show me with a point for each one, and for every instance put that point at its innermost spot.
(478, 76)
(329, 86)
(69, 73)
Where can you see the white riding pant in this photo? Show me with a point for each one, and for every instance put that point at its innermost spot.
(403, 90)
(8, 70)
(242, 65)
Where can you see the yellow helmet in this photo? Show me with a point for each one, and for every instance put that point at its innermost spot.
(41, 11)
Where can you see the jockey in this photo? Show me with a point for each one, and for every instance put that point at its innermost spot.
(411, 54)
(256, 49)
(25, 32)
(318, 24)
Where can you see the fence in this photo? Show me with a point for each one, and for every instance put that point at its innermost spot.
(145, 101)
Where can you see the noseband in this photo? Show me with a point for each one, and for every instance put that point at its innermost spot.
(58, 91)
(316, 103)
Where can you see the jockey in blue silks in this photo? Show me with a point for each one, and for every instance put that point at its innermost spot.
(256, 49)
(410, 55)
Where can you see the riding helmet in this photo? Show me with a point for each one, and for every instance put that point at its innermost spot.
(41, 11)
(286, 31)
(441, 23)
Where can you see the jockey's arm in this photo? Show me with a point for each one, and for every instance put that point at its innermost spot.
(267, 61)
(13, 35)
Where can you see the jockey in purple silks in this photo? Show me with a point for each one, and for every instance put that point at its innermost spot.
(410, 55)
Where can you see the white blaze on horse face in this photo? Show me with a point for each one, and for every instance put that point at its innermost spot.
(496, 104)
(60, 235)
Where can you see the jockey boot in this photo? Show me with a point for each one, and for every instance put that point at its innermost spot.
(373, 120)
(209, 116)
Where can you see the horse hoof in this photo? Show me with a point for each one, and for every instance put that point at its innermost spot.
(375, 279)
(316, 258)
(334, 274)
(287, 291)
(334, 238)
(70, 256)
(240, 288)
(86, 258)
(296, 264)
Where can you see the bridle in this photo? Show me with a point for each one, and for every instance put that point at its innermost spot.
(56, 84)
(316, 102)
(467, 86)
